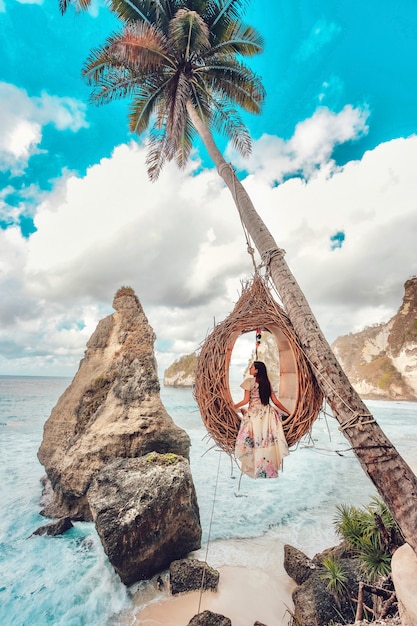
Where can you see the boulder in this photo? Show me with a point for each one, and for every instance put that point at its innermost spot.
(208, 618)
(192, 575)
(111, 410)
(53, 529)
(314, 603)
(146, 513)
(297, 564)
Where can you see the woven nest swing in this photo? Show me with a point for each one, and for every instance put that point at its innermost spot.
(298, 389)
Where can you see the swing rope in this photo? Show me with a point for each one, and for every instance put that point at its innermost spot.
(209, 535)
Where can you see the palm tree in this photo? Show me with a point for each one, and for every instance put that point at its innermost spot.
(177, 61)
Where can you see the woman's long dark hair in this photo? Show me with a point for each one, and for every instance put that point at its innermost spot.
(263, 382)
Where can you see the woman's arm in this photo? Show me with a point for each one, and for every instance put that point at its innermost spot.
(245, 400)
(278, 403)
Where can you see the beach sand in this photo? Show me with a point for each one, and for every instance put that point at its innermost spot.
(245, 594)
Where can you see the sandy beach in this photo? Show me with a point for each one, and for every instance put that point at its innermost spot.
(245, 594)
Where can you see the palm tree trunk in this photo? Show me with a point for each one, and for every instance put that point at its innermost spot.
(392, 477)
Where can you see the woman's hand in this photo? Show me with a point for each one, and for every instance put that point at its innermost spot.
(244, 401)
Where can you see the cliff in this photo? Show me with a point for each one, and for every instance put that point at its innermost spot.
(381, 361)
(182, 372)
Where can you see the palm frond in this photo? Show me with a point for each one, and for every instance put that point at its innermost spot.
(132, 10)
(110, 79)
(189, 33)
(79, 5)
(239, 39)
(234, 81)
(113, 86)
(185, 144)
(156, 153)
(141, 111)
(158, 12)
(133, 62)
(142, 45)
(225, 13)
(229, 10)
(178, 93)
(226, 120)
(201, 100)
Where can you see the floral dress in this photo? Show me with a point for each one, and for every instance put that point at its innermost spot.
(260, 444)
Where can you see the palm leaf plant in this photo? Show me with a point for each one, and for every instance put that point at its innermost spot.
(362, 533)
(336, 578)
(179, 62)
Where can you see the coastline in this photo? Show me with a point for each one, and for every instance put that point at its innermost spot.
(245, 594)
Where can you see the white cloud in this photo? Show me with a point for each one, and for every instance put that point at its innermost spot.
(310, 147)
(179, 243)
(22, 119)
(373, 202)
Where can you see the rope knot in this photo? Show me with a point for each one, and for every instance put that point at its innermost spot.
(269, 255)
(357, 420)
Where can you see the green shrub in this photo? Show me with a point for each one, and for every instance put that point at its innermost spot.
(361, 530)
(336, 577)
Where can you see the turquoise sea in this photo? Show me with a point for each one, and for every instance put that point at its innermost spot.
(67, 580)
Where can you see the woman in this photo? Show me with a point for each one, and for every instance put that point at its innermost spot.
(260, 444)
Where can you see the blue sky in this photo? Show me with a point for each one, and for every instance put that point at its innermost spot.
(332, 174)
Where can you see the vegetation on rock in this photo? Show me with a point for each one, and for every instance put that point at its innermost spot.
(163, 459)
(372, 535)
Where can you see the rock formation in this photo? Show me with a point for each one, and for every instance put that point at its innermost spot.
(381, 361)
(146, 513)
(182, 372)
(54, 529)
(192, 575)
(208, 618)
(109, 417)
(112, 409)
(314, 603)
(329, 586)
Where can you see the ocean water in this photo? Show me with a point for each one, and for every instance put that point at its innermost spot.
(67, 580)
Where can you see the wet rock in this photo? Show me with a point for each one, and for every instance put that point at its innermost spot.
(53, 529)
